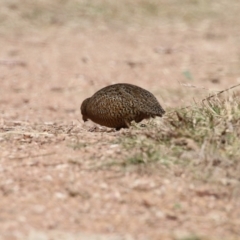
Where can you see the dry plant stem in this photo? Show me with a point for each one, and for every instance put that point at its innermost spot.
(225, 90)
(191, 86)
(207, 98)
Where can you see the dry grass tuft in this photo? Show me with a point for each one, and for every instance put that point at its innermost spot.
(201, 138)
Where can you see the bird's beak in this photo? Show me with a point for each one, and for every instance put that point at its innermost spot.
(84, 119)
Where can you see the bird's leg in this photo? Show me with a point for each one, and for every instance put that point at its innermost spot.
(127, 123)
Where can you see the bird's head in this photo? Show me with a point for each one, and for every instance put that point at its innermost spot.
(84, 109)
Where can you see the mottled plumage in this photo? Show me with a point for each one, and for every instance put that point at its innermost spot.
(115, 106)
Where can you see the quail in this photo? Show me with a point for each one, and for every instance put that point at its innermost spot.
(117, 105)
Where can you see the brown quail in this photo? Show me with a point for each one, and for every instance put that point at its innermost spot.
(115, 106)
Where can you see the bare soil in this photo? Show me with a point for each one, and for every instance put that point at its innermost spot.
(56, 177)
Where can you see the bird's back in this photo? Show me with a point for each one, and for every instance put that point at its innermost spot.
(113, 105)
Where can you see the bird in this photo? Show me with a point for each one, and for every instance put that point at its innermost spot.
(117, 105)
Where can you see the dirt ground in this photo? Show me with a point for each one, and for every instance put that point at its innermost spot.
(55, 178)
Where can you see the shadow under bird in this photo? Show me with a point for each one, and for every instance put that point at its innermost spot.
(117, 105)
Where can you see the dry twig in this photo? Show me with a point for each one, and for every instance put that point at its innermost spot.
(207, 98)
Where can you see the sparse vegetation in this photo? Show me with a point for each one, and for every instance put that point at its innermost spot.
(204, 135)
